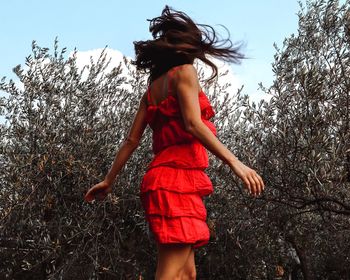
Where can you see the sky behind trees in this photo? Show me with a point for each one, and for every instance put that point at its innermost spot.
(89, 25)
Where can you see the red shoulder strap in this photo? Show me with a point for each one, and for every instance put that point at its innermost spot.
(171, 75)
(148, 95)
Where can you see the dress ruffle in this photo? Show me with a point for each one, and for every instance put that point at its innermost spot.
(173, 203)
(169, 107)
(177, 180)
(188, 230)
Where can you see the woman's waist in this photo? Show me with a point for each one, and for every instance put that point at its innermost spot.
(184, 155)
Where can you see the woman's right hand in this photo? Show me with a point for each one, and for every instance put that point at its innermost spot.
(98, 191)
(252, 180)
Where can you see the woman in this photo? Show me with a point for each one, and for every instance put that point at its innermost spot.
(178, 112)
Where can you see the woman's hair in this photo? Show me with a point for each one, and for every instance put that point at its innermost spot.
(178, 40)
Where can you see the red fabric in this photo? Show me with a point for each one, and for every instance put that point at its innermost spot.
(175, 182)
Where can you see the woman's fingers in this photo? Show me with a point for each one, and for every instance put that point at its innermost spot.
(247, 184)
(88, 197)
(98, 192)
(94, 195)
(100, 196)
(254, 183)
(261, 182)
(258, 184)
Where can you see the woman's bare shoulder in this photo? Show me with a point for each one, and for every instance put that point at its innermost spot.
(186, 73)
(186, 69)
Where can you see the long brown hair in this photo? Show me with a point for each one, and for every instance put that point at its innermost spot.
(178, 40)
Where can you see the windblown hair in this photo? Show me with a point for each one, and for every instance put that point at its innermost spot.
(178, 40)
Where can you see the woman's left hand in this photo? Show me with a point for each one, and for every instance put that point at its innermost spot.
(98, 191)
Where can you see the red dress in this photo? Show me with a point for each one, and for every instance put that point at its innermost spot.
(175, 182)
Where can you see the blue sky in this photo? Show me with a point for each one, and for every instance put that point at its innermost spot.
(89, 25)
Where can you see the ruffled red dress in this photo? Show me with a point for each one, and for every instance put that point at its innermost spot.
(175, 181)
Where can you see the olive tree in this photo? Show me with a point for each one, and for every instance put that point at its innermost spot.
(300, 143)
(60, 137)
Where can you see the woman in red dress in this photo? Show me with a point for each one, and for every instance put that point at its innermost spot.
(179, 113)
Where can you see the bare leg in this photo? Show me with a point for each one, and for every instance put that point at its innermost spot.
(188, 272)
(171, 260)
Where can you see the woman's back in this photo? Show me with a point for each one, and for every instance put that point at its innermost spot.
(172, 144)
(162, 85)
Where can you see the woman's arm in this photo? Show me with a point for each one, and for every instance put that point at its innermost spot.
(100, 190)
(187, 88)
(130, 143)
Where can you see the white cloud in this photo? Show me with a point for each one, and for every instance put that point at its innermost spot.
(115, 57)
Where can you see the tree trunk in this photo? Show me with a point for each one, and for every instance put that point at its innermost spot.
(304, 260)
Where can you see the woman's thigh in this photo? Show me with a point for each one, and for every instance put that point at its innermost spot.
(171, 260)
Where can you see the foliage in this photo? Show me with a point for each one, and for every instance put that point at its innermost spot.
(64, 126)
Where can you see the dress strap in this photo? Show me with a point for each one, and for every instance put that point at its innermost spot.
(148, 95)
(171, 74)
(165, 90)
(165, 86)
